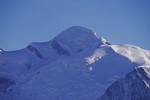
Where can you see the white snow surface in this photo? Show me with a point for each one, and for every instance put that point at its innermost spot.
(134, 53)
(98, 54)
(75, 65)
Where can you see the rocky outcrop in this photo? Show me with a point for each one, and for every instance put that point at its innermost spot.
(5, 83)
(60, 50)
(34, 50)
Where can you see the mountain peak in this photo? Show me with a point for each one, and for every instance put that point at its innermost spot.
(79, 28)
(76, 31)
(78, 38)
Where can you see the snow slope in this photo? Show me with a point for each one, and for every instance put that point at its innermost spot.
(134, 86)
(75, 65)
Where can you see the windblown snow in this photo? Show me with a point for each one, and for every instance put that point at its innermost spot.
(134, 53)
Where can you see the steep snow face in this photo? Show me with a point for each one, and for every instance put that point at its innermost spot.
(79, 39)
(134, 86)
(76, 77)
(134, 53)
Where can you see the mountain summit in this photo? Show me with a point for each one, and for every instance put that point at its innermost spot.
(77, 38)
(75, 65)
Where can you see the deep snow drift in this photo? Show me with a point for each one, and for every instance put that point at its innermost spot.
(75, 65)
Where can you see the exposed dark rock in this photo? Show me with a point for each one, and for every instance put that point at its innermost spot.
(60, 50)
(5, 83)
(37, 53)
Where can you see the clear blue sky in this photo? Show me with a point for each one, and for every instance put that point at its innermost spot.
(119, 21)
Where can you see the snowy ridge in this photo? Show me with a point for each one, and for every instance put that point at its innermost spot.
(134, 86)
(134, 53)
(77, 64)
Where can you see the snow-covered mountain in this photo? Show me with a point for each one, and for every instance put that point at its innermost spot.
(75, 65)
